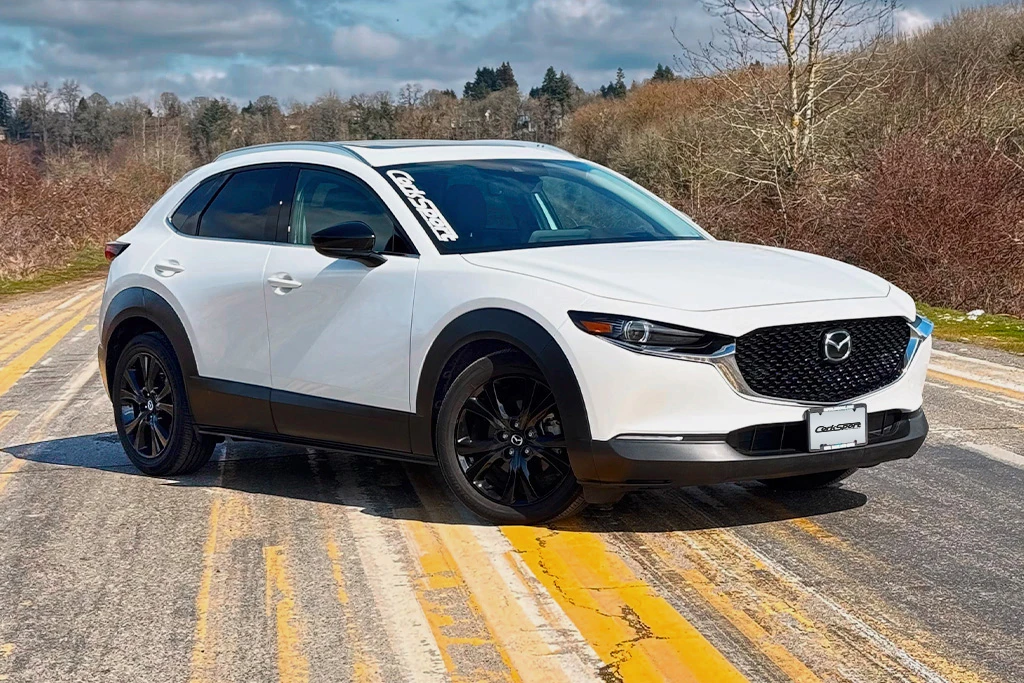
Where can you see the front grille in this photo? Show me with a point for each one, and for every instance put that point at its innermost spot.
(789, 362)
(791, 437)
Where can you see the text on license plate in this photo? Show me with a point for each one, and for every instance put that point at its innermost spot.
(837, 427)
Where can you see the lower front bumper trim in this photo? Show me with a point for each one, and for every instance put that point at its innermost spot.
(624, 464)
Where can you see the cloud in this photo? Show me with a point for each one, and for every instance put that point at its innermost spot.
(911, 21)
(241, 49)
(363, 42)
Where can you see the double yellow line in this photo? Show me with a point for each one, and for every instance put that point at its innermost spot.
(40, 337)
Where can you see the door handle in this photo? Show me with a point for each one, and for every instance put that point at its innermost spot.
(168, 268)
(283, 283)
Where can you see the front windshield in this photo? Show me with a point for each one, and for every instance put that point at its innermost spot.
(474, 206)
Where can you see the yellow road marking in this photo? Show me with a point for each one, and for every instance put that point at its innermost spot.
(451, 609)
(89, 328)
(6, 474)
(638, 634)
(531, 657)
(974, 384)
(202, 650)
(292, 666)
(751, 630)
(778, 597)
(40, 327)
(6, 417)
(10, 322)
(364, 667)
(23, 363)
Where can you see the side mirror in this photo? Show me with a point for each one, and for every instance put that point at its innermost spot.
(353, 240)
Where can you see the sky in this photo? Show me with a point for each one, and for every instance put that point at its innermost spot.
(298, 49)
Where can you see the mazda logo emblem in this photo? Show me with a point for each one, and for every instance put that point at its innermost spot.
(837, 345)
(517, 440)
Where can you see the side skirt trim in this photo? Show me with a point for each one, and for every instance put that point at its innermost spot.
(315, 443)
(245, 410)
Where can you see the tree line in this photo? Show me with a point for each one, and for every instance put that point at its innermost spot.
(63, 118)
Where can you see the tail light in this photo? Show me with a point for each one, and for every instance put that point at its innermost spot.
(114, 249)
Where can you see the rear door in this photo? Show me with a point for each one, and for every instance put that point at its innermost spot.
(213, 270)
(339, 329)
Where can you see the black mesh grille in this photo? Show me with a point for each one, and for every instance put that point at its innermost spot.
(789, 361)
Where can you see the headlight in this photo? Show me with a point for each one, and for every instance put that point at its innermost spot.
(645, 336)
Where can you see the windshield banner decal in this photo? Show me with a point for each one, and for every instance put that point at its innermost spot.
(433, 217)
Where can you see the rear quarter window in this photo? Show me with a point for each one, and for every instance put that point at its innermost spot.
(246, 208)
(186, 217)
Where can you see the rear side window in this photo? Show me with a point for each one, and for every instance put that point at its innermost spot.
(246, 208)
(186, 218)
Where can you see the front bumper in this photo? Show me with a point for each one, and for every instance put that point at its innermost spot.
(607, 469)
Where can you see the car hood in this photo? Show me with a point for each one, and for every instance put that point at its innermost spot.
(705, 275)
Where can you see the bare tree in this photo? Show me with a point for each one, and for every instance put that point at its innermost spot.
(35, 108)
(68, 95)
(787, 67)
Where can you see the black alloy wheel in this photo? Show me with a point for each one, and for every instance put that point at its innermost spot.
(147, 405)
(501, 445)
(509, 441)
(152, 412)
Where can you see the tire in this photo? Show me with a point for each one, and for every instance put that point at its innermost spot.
(809, 482)
(151, 410)
(485, 451)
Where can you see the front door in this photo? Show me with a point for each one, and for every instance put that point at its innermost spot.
(339, 330)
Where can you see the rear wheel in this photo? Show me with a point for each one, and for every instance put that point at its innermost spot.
(500, 443)
(808, 482)
(151, 410)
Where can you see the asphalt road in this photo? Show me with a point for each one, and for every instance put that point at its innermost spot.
(276, 563)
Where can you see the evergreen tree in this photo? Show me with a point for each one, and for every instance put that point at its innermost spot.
(663, 74)
(6, 113)
(616, 88)
(557, 87)
(484, 84)
(506, 79)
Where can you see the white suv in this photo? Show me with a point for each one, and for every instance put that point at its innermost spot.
(544, 329)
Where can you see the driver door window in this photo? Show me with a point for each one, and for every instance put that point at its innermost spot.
(324, 199)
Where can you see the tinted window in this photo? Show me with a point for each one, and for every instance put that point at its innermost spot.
(246, 208)
(187, 215)
(471, 206)
(324, 199)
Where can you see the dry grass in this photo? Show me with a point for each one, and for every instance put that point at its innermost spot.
(48, 216)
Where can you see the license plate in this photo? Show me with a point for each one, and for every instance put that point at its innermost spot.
(837, 427)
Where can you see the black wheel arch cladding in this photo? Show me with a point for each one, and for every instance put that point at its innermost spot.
(520, 332)
(149, 311)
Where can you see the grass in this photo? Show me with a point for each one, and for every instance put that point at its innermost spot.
(88, 261)
(997, 331)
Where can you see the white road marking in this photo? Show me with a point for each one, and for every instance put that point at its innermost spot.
(393, 593)
(977, 370)
(71, 301)
(71, 389)
(996, 453)
(882, 643)
(574, 654)
(989, 400)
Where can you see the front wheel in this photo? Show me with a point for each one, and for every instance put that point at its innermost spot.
(500, 444)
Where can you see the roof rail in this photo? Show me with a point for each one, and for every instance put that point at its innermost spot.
(398, 144)
(309, 146)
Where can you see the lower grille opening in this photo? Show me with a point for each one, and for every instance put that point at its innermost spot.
(791, 437)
